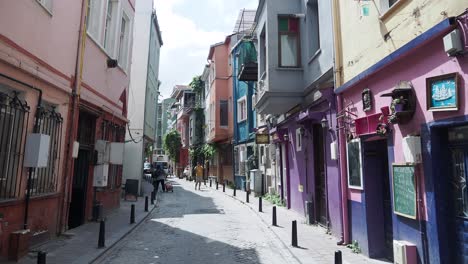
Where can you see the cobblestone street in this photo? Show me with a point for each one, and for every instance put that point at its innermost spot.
(199, 227)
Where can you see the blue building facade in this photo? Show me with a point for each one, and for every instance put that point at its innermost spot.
(244, 113)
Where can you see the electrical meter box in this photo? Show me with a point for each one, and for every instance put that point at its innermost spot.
(36, 153)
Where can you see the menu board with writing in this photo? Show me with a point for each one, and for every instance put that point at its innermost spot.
(404, 191)
(353, 154)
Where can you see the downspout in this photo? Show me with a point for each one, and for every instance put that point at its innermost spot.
(234, 121)
(338, 65)
(72, 122)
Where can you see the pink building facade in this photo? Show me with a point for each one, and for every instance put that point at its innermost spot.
(219, 109)
(402, 193)
(41, 53)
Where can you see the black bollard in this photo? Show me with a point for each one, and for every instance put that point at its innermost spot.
(132, 214)
(294, 234)
(224, 187)
(146, 203)
(234, 191)
(217, 185)
(260, 209)
(152, 198)
(274, 216)
(102, 234)
(41, 257)
(338, 257)
(247, 196)
(210, 183)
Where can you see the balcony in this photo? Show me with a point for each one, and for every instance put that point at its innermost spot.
(248, 66)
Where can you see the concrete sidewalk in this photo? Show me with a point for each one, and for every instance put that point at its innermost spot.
(315, 246)
(81, 247)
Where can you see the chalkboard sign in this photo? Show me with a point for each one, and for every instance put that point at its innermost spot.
(131, 188)
(353, 154)
(404, 191)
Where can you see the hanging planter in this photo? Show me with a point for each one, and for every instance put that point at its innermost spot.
(382, 129)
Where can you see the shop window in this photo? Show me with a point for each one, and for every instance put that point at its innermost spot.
(289, 41)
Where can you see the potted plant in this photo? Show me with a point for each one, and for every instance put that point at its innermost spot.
(397, 105)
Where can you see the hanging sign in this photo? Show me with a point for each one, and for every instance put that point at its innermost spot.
(262, 138)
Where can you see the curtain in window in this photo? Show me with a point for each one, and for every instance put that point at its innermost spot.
(288, 50)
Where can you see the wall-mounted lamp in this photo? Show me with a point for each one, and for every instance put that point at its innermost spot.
(286, 137)
(324, 123)
(302, 131)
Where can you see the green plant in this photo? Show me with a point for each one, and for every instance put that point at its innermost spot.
(172, 145)
(197, 84)
(354, 246)
(274, 199)
(209, 150)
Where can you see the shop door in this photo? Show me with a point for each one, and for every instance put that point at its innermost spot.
(320, 182)
(458, 197)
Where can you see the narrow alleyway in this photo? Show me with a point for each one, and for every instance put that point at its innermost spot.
(199, 227)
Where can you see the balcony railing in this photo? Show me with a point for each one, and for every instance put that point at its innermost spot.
(248, 66)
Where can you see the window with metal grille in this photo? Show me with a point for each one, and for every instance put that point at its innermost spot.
(44, 180)
(14, 116)
(113, 133)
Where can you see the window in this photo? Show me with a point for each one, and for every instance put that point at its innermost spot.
(263, 52)
(241, 109)
(387, 4)
(313, 27)
(108, 29)
(44, 180)
(47, 4)
(113, 133)
(298, 139)
(123, 41)
(289, 43)
(223, 113)
(93, 19)
(14, 115)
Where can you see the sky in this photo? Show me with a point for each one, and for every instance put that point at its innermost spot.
(188, 28)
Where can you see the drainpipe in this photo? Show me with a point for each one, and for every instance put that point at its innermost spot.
(72, 122)
(337, 44)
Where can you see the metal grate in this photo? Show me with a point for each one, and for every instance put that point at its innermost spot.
(14, 116)
(44, 180)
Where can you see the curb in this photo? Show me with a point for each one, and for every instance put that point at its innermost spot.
(128, 232)
(264, 222)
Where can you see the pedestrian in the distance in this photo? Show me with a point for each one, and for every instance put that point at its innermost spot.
(199, 175)
(158, 178)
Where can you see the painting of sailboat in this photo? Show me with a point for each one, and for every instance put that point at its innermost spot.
(443, 93)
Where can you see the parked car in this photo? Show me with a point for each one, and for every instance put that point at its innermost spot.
(147, 168)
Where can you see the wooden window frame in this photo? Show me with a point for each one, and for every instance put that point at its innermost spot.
(288, 33)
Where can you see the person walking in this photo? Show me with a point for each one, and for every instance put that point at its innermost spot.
(158, 178)
(199, 175)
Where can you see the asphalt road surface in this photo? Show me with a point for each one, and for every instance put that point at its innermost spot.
(199, 227)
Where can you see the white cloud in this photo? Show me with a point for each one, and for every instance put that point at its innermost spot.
(186, 41)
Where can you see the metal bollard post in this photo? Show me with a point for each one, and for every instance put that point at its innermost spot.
(146, 203)
(224, 187)
(132, 214)
(274, 216)
(210, 183)
(234, 191)
(102, 234)
(294, 234)
(247, 196)
(152, 198)
(260, 209)
(338, 257)
(217, 185)
(41, 257)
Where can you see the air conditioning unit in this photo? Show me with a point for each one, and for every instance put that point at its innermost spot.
(452, 43)
(404, 252)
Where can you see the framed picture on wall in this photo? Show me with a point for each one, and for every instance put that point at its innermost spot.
(442, 92)
(353, 155)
